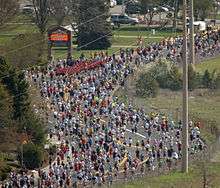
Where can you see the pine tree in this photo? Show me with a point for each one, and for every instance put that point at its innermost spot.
(5, 107)
(192, 78)
(21, 102)
(94, 29)
(17, 86)
(175, 78)
(206, 79)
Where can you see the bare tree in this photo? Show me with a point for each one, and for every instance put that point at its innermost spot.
(8, 8)
(148, 9)
(41, 9)
(59, 9)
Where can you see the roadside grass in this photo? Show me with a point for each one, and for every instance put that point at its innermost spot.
(194, 179)
(146, 31)
(203, 107)
(62, 52)
(211, 65)
(132, 41)
(5, 39)
(16, 29)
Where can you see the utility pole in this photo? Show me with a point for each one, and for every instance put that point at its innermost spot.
(185, 94)
(192, 41)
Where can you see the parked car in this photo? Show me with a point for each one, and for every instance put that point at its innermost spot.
(123, 19)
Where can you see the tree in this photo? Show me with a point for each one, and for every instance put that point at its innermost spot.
(206, 79)
(21, 102)
(161, 73)
(32, 156)
(59, 9)
(203, 8)
(217, 81)
(5, 107)
(174, 79)
(41, 9)
(94, 29)
(8, 9)
(192, 78)
(17, 87)
(34, 128)
(147, 86)
(148, 8)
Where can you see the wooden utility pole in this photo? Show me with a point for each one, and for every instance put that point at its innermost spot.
(192, 41)
(185, 94)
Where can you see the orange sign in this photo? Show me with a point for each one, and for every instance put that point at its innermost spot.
(59, 37)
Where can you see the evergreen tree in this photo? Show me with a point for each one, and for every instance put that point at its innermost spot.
(217, 81)
(21, 102)
(192, 78)
(175, 79)
(17, 87)
(206, 79)
(5, 108)
(94, 29)
(32, 156)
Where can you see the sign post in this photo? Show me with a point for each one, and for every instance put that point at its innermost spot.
(59, 36)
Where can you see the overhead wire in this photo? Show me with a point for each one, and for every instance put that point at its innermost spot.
(93, 41)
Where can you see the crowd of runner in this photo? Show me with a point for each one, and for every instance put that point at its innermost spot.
(98, 137)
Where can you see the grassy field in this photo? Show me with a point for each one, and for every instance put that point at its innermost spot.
(203, 104)
(61, 53)
(119, 39)
(211, 65)
(194, 179)
(203, 107)
(146, 31)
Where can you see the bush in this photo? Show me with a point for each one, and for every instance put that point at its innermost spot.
(3, 176)
(4, 170)
(174, 81)
(161, 73)
(217, 81)
(147, 86)
(206, 79)
(32, 156)
(192, 76)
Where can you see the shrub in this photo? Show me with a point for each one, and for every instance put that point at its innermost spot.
(161, 73)
(206, 79)
(147, 86)
(32, 156)
(217, 81)
(174, 81)
(192, 78)
(35, 129)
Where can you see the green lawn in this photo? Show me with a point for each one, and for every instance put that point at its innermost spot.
(211, 65)
(194, 179)
(5, 39)
(62, 53)
(128, 41)
(203, 107)
(145, 31)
